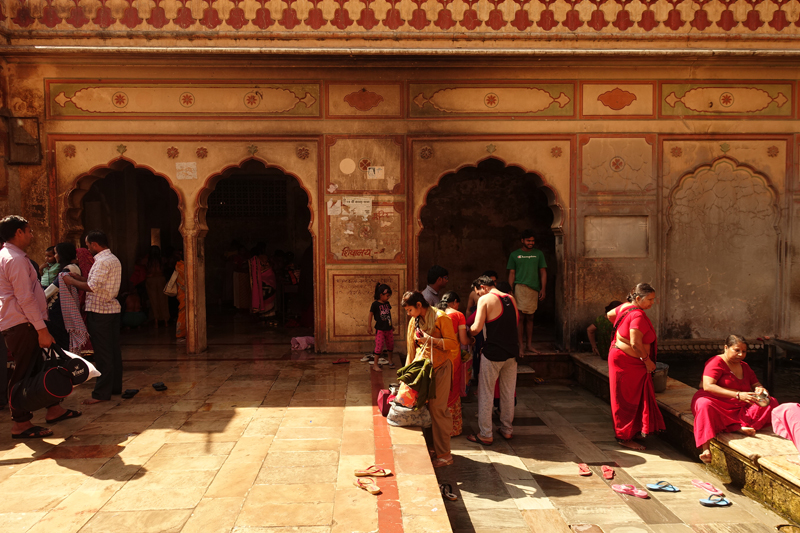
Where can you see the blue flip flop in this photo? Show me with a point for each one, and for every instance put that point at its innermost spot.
(663, 486)
(715, 501)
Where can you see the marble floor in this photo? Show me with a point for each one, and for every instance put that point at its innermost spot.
(531, 483)
(251, 437)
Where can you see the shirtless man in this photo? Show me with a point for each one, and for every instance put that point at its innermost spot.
(472, 301)
(498, 312)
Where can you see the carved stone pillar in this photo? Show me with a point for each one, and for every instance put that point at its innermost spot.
(194, 258)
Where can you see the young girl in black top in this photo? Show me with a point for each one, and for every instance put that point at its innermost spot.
(381, 313)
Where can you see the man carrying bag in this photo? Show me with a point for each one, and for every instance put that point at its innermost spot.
(23, 310)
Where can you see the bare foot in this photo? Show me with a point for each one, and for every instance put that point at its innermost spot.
(92, 401)
(532, 351)
(750, 432)
(706, 456)
(631, 444)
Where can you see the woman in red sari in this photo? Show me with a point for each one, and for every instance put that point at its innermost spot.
(728, 400)
(449, 304)
(631, 359)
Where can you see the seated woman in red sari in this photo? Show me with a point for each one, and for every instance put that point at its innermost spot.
(631, 358)
(263, 283)
(728, 401)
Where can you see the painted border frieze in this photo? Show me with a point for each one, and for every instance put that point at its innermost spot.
(84, 99)
(460, 100)
(719, 100)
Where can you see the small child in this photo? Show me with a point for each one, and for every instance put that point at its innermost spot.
(381, 313)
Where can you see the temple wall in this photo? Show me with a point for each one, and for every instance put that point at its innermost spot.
(687, 182)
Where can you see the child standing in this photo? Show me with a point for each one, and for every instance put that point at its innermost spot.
(381, 313)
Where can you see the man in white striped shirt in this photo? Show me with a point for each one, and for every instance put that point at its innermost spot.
(103, 315)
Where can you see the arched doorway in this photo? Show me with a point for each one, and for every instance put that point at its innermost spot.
(137, 210)
(472, 220)
(261, 210)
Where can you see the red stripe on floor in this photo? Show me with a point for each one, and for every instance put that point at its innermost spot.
(390, 518)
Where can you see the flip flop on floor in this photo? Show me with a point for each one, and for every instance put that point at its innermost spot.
(341, 361)
(130, 393)
(368, 484)
(608, 472)
(35, 432)
(66, 416)
(447, 492)
(708, 487)
(630, 490)
(159, 386)
(584, 470)
(476, 438)
(663, 486)
(374, 471)
(715, 501)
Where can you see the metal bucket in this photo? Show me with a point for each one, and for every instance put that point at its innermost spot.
(660, 377)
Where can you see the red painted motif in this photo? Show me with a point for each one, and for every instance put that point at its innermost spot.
(648, 20)
(69, 151)
(779, 21)
(201, 152)
(598, 20)
(623, 20)
(773, 151)
(263, 18)
(555, 152)
(289, 19)
(363, 100)
(393, 18)
(341, 17)
(158, 18)
(184, 18)
(445, 19)
(77, 18)
(50, 16)
(172, 152)
(616, 99)
(364, 164)
(676, 151)
(103, 17)
(617, 164)
(119, 99)
(315, 19)
(23, 18)
(130, 17)
(470, 19)
(187, 99)
(419, 18)
(674, 20)
(496, 20)
(753, 20)
(522, 20)
(726, 20)
(573, 20)
(700, 21)
(236, 18)
(491, 100)
(210, 16)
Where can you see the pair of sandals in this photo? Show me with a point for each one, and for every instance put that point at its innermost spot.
(39, 432)
(477, 438)
(365, 478)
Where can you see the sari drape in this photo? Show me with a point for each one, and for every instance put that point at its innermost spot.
(633, 399)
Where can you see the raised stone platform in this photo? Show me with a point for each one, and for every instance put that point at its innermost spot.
(758, 465)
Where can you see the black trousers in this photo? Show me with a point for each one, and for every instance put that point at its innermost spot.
(104, 332)
(23, 342)
(3, 373)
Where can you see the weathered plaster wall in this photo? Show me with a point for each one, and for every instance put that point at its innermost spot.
(615, 159)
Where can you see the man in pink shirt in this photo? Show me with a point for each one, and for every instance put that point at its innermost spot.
(23, 310)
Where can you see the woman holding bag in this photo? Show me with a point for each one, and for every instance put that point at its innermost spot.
(431, 336)
(631, 359)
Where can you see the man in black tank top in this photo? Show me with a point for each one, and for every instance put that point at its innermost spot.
(497, 311)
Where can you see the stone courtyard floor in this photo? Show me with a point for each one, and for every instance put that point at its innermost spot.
(255, 438)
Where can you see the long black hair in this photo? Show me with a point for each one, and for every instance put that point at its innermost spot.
(66, 254)
(381, 288)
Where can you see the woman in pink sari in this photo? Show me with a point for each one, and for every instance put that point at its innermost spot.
(728, 400)
(85, 262)
(263, 284)
(631, 359)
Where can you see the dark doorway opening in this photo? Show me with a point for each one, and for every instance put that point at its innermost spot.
(138, 210)
(257, 210)
(472, 222)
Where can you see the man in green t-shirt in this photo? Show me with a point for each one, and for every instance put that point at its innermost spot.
(528, 276)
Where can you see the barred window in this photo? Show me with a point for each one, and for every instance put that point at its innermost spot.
(257, 197)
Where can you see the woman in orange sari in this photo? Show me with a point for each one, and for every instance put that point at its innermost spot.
(180, 281)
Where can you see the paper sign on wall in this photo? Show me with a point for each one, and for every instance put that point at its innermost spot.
(334, 208)
(375, 173)
(358, 205)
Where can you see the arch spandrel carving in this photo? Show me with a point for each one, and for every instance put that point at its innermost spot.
(548, 160)
(722, 252)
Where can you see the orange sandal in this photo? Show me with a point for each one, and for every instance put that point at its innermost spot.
(373, 471)
(368, 484)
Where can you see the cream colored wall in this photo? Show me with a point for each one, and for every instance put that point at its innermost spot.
(417, 143)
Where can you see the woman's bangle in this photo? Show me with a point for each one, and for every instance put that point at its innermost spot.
(737, 397)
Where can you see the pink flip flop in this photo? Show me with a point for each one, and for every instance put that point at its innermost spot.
(584, 470)
(630, 490)
(608, 472)
(708, 487)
